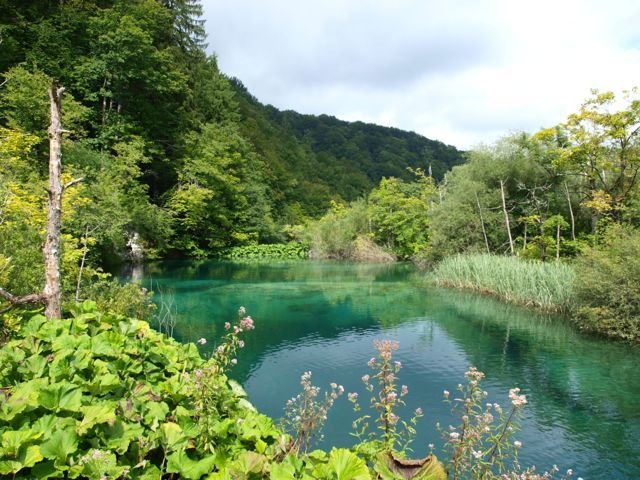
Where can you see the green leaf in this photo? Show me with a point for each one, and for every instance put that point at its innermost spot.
(14, 440)
(179, 462)
(250, 462)
(61, 444)
(172, 436)
(95, 414)
(282, 471)
(61, 396)
(347, 466)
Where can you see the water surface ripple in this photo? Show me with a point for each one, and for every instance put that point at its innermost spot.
(584, 393)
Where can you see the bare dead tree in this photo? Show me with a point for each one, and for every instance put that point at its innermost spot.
(506, 217)
(51, 294)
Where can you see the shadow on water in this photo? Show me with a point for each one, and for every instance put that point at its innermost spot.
(584, 393)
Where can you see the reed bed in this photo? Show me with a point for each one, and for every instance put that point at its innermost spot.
(544, 285)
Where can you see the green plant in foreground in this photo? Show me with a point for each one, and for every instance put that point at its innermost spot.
(385, 400)
(103, 396)
(306, 413)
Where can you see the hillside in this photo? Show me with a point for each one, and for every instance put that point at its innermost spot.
(319, 158)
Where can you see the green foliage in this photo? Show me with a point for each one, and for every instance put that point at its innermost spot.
(276, 251)
(333, 235)
(607, 279)
(101, 395)
(549, 286)
(399, 214)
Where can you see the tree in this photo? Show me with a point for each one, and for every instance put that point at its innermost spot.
(600, 144)
(51, 294)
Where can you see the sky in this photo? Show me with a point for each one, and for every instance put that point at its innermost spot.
(463, 72)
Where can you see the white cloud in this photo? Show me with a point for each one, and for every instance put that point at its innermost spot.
(460, 72)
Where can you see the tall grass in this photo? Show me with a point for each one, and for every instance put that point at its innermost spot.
(549, 286)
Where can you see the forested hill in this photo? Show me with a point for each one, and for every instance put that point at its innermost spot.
(322, 156)
(171, 150)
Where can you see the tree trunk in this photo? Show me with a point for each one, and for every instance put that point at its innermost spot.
(573, 220)
(51, 249)
(558, 242)
(506, 217)
(484, 231)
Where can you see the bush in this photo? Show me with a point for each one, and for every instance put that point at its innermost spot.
(607, 285)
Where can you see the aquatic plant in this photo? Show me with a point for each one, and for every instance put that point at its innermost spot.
(547, 285)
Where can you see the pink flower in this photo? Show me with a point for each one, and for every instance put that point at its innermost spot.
(227, 325)
(247, 323)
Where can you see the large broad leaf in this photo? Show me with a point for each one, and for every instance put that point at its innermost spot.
(249, 462)
(61, 396)
(173, 438)
(282, 471)
(61, 444)
(347, 465)
(26, 458)
(14, 440)
(94, 415)
(180, 463)
(22, 397)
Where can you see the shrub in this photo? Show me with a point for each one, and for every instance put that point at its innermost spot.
(607, 285)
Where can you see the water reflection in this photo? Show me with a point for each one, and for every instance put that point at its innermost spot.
(584, 394)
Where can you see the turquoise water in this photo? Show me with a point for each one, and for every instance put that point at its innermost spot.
(584, 393)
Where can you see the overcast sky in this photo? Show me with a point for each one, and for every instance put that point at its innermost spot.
(463, 72)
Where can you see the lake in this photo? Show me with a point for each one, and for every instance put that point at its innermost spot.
(583, 393)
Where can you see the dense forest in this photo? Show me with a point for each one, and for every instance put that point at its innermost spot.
(174, 155)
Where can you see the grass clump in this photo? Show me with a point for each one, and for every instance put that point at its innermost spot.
(549, 286)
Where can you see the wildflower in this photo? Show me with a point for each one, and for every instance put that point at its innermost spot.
(234, 361)
(454, 436)
(372, 362)
(393, 418)
(569, 472)
(227, 325)
(398, 365)
(517, 444)
(220, 349)
(242, 311)
(446, 394)
(340, 389)
(391, 397)
(352, 396)
(476, 453)
(365, 378)
(404, 390)
(418, 412)
(202, 341)
(247, 323)
(474, 374)
(241, 344)
(516, 399)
